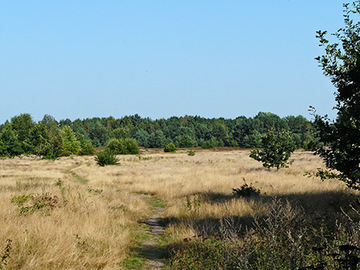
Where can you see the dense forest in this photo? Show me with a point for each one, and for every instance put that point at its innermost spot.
(51, 138)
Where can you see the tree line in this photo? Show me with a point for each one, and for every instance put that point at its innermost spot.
(51, 138)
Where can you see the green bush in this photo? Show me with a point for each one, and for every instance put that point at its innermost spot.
(170, 148)
(191, 153)
(116, 146)
(123, 146)
(131, 146)
(31, 203)
(106, 157)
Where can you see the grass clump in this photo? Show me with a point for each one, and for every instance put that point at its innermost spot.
(106, 157)
(191, 153)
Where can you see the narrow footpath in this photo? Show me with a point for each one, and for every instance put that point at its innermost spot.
(151, 253)
(152, 250)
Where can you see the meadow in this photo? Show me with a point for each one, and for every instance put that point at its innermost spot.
(71, 213)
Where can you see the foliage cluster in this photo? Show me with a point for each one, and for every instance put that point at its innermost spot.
(50, 139)
(30, 203)
(106, 157)
(23, 136)
(124, 146)
(170, 148)
(340, 144)
(277, 149)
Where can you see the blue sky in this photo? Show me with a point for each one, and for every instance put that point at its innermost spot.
(79, 59)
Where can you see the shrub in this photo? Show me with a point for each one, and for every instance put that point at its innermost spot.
(106, 157)
(115, 146)
(19, 200)
(131, 146)
(170, 148)
(246, 191)
(123, 146)
(191, 153)
(31, 203)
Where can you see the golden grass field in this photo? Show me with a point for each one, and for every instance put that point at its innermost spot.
(91, 211)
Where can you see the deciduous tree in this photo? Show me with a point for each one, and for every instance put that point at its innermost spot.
(277, 149)
(340, 139)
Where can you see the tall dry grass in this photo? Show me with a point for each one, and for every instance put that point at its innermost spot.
(90, 226)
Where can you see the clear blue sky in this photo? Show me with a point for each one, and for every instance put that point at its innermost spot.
(79, 59)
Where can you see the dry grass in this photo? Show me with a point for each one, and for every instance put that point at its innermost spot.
(90, 226)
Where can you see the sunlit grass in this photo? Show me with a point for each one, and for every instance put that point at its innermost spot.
(93, 226)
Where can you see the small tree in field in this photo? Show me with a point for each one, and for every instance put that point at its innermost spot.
(170, 148)
(276, 151)
(340, 139)
(70, 145)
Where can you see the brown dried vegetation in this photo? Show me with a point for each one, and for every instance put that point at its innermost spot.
(90, 211)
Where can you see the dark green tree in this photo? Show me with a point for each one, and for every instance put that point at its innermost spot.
(253, 139)
(340, 139)
(120, 133)
(86, 148)
(157, 139)
(142, 137)
(54, 144)
(22, 125)
(70, 145)
(277, 149)
(185, 141)
(9, 143)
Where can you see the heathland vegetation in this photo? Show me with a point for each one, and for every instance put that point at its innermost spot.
(70, 213)
(188, 208)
